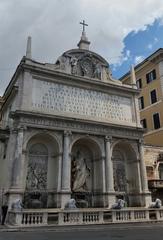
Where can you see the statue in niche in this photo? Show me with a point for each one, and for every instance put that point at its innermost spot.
(82, 174)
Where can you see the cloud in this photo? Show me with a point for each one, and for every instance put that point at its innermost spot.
(122, 58)
(54, 27)
(151, 45)
(138, 59)
(155, 40)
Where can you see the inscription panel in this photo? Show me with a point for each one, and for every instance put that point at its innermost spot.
(56, 98)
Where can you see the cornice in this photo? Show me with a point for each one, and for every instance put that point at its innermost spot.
(63, 123)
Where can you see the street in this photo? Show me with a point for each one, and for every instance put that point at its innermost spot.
(118, 232)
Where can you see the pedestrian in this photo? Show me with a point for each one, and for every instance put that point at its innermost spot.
(4, 210)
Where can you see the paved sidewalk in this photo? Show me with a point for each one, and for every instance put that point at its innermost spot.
(51, 228)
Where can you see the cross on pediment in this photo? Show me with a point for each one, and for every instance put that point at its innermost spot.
(84, 24)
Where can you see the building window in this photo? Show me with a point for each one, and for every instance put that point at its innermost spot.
(153, 96)
(144, 123)
(156, 120)
(151, 76)
(139, 83)
(141, 103)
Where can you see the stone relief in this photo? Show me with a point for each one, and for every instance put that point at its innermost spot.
(119, 177)
(86, 65)
(36, 180)
(119, 172)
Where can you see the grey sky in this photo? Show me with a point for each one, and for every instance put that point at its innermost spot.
(54, 27)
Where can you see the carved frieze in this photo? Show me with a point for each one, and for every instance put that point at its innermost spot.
(79, 127)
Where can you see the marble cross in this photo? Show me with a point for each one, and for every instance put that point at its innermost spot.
(84, 24)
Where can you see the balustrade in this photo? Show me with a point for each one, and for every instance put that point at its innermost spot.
(26, 218)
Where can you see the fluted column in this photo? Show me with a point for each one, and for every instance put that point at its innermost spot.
(18, 165)
(109, 166)
(66, 163)
(143, 168)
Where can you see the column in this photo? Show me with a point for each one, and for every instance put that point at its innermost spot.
(103, 174)
(143, 168)
(146, 195)
(66, 170)
(17, 181)
(10, 153)
(109, 166)
(139, 176)
(59, 172)
(18, 166)
(110, 200)
(66, 163)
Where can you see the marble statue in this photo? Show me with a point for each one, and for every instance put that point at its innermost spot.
(17, 205)
(156, 204)
(82, 174)
(73, 62)
(97, 71)
(119, 205)
(71, 204)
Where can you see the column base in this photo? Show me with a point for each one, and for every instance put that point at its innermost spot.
(146, 199)
(134, 200)
(110, 199)
(65, 196)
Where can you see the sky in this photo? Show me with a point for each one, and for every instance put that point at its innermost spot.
(124, 32)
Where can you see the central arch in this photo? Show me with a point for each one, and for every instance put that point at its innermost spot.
(86, 172)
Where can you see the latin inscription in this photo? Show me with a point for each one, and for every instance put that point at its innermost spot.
(58, 98)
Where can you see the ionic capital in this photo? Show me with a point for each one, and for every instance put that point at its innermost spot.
(67, 133)
(108, 139)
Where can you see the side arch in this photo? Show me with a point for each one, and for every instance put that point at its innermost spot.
(41, 169)
(126, 172)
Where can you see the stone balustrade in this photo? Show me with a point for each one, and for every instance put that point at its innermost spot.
(130, 216)
(26, 218)
(80, 217)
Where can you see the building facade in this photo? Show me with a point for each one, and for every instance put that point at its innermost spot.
(149, 76)
(68, 130)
